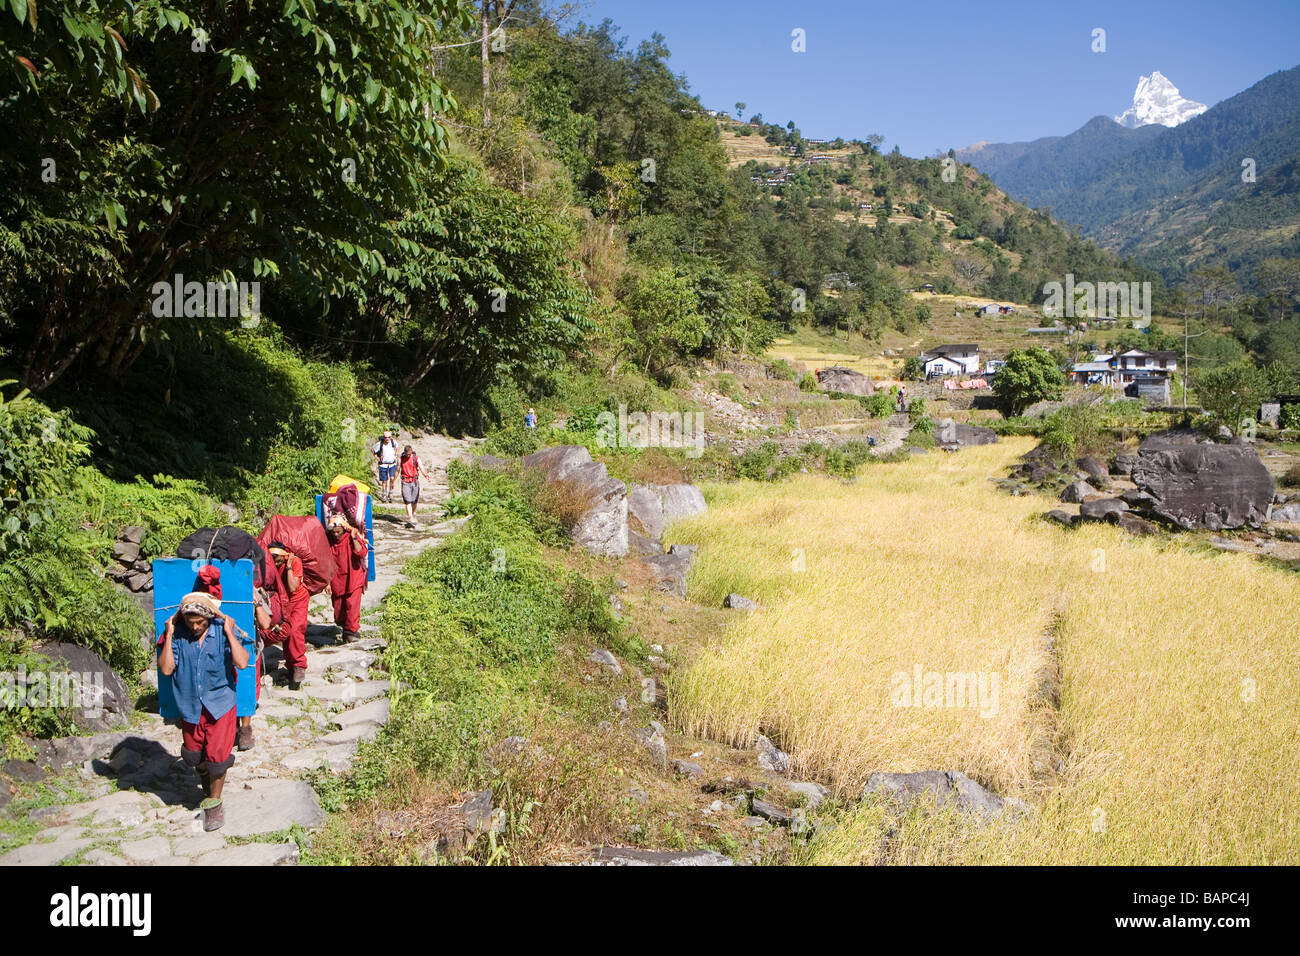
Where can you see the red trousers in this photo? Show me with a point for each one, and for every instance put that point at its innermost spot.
(347, 610)
(294, 631)
(208, 743)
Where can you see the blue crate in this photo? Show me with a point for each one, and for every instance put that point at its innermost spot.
(173, 578)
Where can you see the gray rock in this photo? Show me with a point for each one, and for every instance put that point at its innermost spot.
(25, 771)
(132, 533)
(269, 806)
(680, 501)
(1133, 524)
(645, 511)
(1093, 468)
(1077, 491)
(601, 524)
(606, 660)
(688, 769)
(337, 757)
(126, 552)
(1136, 498)
(251, 854)
(354, 733)
(103, 858)
(376, 711)
(1042, 409)
(740, 603)
(620, 705)
(1214, 487)
(771, 812)
(638, 543)
(1061, 517)
(770, 757)
(348, 692)
(1289, 512)
(147, 850)
(652, 740)
(105, 703)
(671, 570)
(812, 792)
(844, 380)
(44, 854)
(1122, 463)
(949, 433)
(1099, 509)
(198, 844)
(943, 787)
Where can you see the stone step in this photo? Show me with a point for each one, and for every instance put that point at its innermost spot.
(376, 711)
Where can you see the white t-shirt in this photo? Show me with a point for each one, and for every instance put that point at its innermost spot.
(389, 454)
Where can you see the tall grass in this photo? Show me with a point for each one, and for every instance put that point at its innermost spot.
(1175, 739)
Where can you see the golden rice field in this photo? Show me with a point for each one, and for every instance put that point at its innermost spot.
(1176, 738)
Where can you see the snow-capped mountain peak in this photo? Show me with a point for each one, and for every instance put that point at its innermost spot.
(1156, 100)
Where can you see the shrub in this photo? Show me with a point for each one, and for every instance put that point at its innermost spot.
(916, 409)
(1290, 416)
(879, 405)
(780, 369)
(808, 383)
(766, 463)
(1292, 477)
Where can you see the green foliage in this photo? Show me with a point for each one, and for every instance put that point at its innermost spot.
(1074, 431)
(339, 99)
(916, 409)
(1029, 376)
(1233, 393)
(766, 463)
(877, 405)
(912, 368)
(474, 630)
(808, 382)
(781, 370)
(1290, 417)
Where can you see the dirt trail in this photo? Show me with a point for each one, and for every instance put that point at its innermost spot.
(140, 800)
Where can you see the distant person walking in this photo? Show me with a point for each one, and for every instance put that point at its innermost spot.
(412, 472)
(530, 420)
(902, 399)
(385, 452)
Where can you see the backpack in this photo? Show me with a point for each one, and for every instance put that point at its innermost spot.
(411, 468)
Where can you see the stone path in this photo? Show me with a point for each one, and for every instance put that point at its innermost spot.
(896, 431)
(141, 801)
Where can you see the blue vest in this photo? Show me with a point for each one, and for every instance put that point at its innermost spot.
(204, 678)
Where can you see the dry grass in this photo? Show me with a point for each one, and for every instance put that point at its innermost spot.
(1176, 737)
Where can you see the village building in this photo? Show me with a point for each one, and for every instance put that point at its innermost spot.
(951, 360)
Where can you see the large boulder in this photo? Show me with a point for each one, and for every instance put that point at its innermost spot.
(599, 502)
(1077, 491)
(844, 380)
(102, 698)
(1204, 485)
(953, 434)
(651, 508)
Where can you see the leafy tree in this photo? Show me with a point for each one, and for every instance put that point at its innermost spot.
(278, 137)
(1028, 376)
(1233, 393)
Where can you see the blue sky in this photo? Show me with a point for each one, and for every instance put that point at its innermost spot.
(931, 74)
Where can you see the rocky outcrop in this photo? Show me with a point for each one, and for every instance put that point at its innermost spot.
(844, 380)
(600, 524)
(1208, 486)
(651, 508)
(951, 434)
(1100, 509)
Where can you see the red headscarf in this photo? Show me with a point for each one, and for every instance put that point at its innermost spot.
(209, 580)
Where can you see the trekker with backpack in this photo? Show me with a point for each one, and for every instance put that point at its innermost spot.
(385, 452)
(412, 471)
